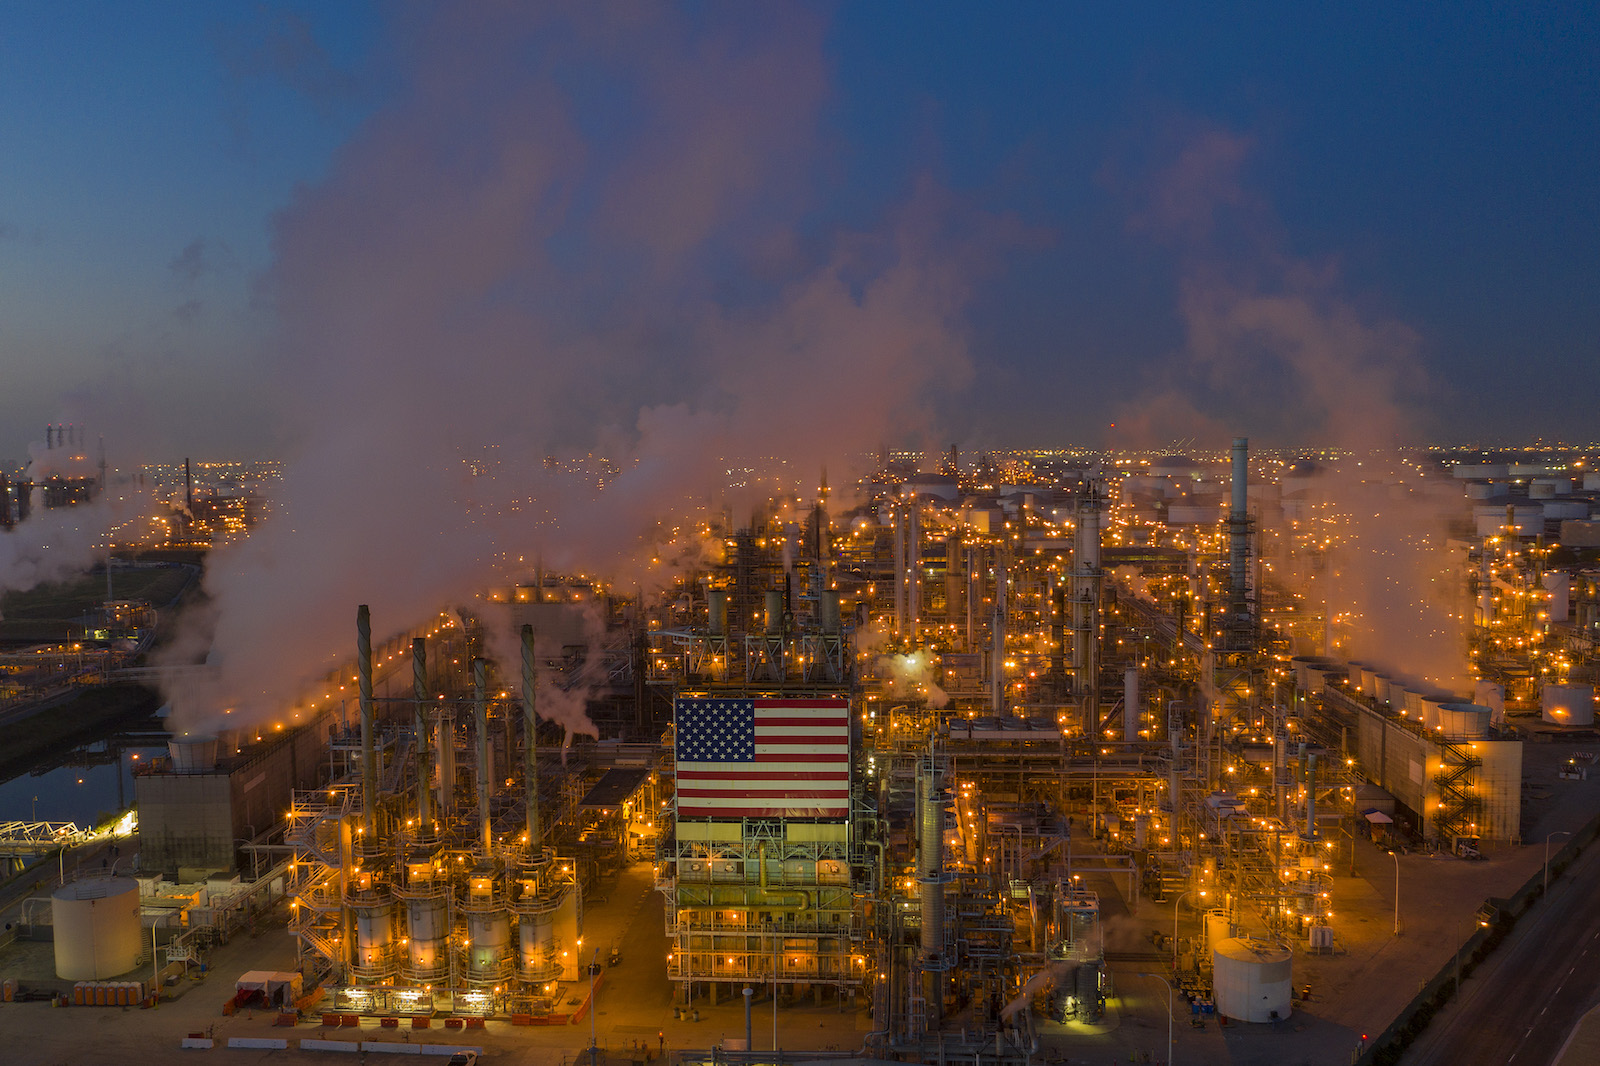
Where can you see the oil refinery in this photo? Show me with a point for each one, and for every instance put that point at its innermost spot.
(962, 765)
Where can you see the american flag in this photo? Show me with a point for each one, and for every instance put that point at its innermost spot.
(755, 758)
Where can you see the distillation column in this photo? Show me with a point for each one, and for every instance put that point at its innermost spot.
(1239, 536)
(931, 888)
(419, 677)
(1086, 611)
(369, 752)
(480, 714)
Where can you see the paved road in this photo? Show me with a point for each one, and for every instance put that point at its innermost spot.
(1518, 1009)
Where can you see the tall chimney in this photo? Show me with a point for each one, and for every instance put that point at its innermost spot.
(530, 771)
(480, 711)
(419, 686)
(369, 755)
(1239, 533)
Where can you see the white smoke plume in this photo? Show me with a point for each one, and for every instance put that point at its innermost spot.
(1277, 351)
(583, 228)
(52, 544)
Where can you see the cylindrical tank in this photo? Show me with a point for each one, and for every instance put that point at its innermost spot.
(774, 611)
(374, 937)
(1219, 927)
(490, 933)
(96, 928)
(1568, 704)
(1566, 509)
(1252, 979)
(1385, 689)
(830, 610)
(428, 928)
(193, 754)
(1369, 682)
(535, 942)
(716, 611)
(1558, 586)
(1480, 490)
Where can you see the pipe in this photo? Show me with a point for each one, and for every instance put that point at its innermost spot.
(761, 860)
(480, 711)
(369, 754)
(419, 686)
(530, 769)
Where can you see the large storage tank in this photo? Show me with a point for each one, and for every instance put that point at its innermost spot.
(1252, 980)
(1568, 704)
(96, 928)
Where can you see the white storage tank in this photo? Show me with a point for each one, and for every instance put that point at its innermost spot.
(1252, 980)
(1568, 704)
(1565, 509)
(1527, 519)
(96, 928)
(1481, 490)
(1219, 927)
(1559, 586)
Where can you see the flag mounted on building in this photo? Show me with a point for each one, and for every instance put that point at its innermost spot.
(763, 758)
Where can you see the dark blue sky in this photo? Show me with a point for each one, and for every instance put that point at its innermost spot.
(1181, 219)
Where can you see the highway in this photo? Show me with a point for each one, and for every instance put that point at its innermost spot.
(1518, 1008)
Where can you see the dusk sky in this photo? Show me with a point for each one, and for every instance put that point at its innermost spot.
(1307, 223)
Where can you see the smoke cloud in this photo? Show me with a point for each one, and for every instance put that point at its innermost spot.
(589, 229)
(1275, 350)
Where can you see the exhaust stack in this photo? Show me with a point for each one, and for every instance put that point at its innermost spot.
(531, 748)
(480, 710)
(369, 754)
(419, 682)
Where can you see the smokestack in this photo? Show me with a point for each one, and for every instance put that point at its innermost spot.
(419, 689)
(1239, 533)
(716, 612)
(188, 488)
(369, 755)
(530, 776)
(480, 711)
